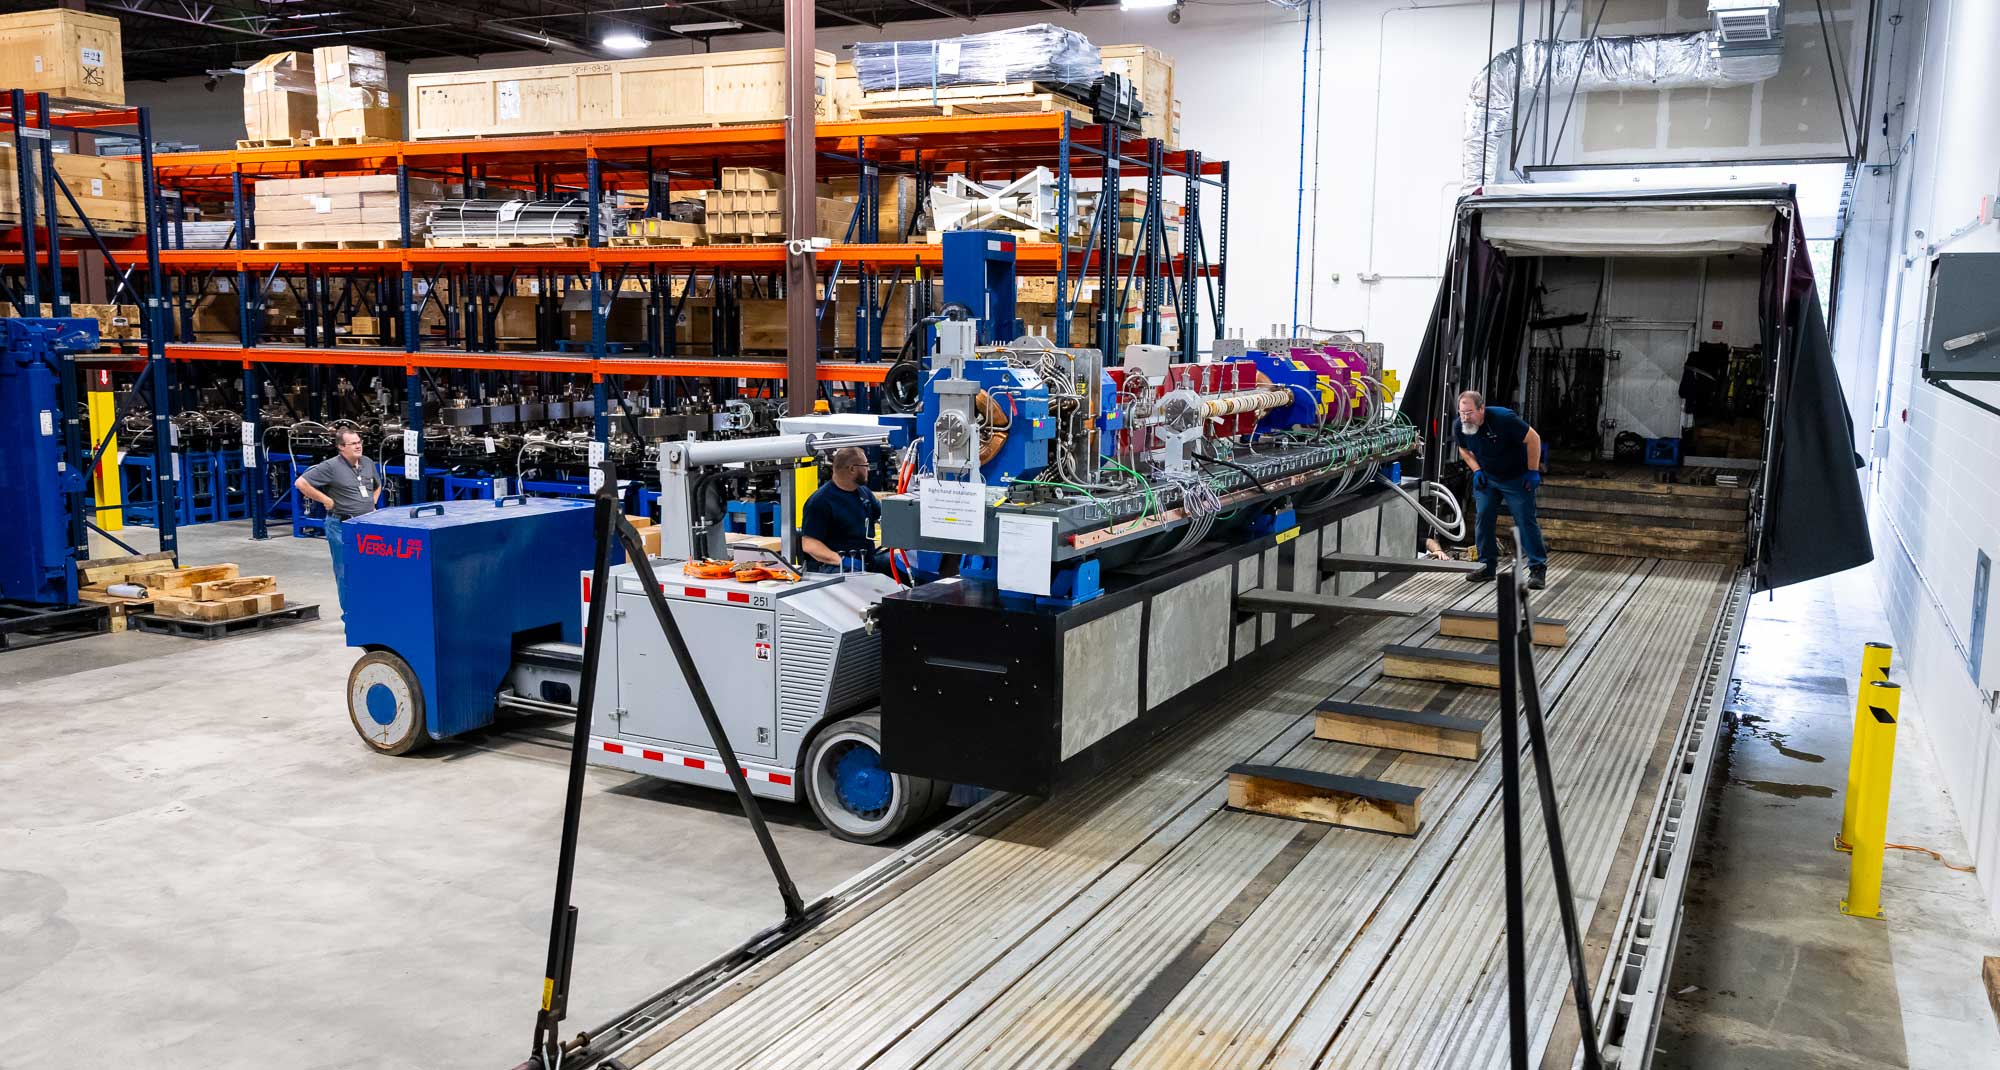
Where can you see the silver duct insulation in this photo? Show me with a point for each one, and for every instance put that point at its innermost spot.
(1659, 61)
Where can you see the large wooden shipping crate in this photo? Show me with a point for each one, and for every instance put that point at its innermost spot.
(653, 91)
(1151, 72)
(111, 190)
(64, 53)
(337, 208)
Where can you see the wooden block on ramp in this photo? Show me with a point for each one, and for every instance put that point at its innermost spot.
(1441, 666)
(1468, 624)
(1380, 563)
(1406, 730)
(1305, 795)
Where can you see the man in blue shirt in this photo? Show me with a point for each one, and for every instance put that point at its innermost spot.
(837, 531)
(1505, 456)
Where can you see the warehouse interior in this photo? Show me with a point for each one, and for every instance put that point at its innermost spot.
(920, 533)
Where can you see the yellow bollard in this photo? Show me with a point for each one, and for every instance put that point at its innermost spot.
(1874, 667)
(1877, 747)
(105, 486)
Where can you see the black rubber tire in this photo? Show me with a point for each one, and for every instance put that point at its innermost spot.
(912, 799)
(402, 736)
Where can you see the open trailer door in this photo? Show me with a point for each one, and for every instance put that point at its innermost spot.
(1808, 518)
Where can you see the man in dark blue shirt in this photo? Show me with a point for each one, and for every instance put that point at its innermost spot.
(837, 532)
(1505, 456)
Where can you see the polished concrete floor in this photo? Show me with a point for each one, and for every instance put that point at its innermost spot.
(200, 866)
(1769, 974)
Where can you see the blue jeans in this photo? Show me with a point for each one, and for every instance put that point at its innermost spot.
(334, 539)
(1521, 505)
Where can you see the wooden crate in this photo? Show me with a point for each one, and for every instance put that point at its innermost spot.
(64, 53)
(897, 206)
(712, 89)
(111, 190)
(1151, 72)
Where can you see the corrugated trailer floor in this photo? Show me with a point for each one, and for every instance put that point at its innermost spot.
(1134, 922)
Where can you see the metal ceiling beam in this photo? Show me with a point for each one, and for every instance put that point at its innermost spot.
(927, 5)
(198, 16)
(845, 17)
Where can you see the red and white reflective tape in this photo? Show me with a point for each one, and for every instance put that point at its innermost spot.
(690, 761)
(704, 592)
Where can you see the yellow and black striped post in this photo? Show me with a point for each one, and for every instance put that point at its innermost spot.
(1874, 668)
(1875, 747)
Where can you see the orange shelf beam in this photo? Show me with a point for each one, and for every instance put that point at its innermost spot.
(1042, 256)
(738, 368)
(946, 131)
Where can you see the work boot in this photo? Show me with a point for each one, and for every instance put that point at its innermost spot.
(1538, 577)
(1484, 575)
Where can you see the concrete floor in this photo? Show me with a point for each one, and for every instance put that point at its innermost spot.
(1769, 974)
(201, 866)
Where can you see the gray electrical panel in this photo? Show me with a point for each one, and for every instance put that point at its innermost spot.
(1962, 339)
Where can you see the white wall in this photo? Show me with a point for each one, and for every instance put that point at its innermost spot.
(1937, 477)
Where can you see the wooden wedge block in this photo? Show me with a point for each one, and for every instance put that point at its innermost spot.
(215, 590)
(1466, 624)
(181, 579)
(1441, 666)
(1406, 730)
(1990, 971)
(1305, 795)
(219, 609)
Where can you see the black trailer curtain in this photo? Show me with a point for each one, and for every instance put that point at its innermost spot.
(1816, 523)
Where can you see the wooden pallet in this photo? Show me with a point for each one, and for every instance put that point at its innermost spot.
(273, 143)
(746, 239)
(505, 243)
(350, 139)
(671, 240)
(963, 100)
(23, 625)
(345, 243)
(223, 629)
(356, 340)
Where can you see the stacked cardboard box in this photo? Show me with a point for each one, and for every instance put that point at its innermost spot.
(65, 53)
(897, 211)
(341, 208)
(750, 207)
(351, 88)
(280, 100)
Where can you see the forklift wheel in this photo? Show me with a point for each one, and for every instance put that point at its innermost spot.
(386, 703)
(853, 796)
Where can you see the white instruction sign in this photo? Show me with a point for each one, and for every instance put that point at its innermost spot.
(596, 473)
(410, 441)
(507, 95)
(951, 509)
(1027, 552)
(250, 457)
(91, 57)
(48, 422)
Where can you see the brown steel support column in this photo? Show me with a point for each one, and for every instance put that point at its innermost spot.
(801, 182)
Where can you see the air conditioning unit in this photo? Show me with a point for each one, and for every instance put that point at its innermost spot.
(1748, 27)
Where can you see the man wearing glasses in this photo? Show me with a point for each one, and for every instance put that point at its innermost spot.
(838, 530)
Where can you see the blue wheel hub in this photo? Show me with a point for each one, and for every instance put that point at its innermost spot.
(382, 705)
(863, 785)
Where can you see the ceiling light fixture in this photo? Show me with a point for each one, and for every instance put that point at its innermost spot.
(706, 27)
(623, 41)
